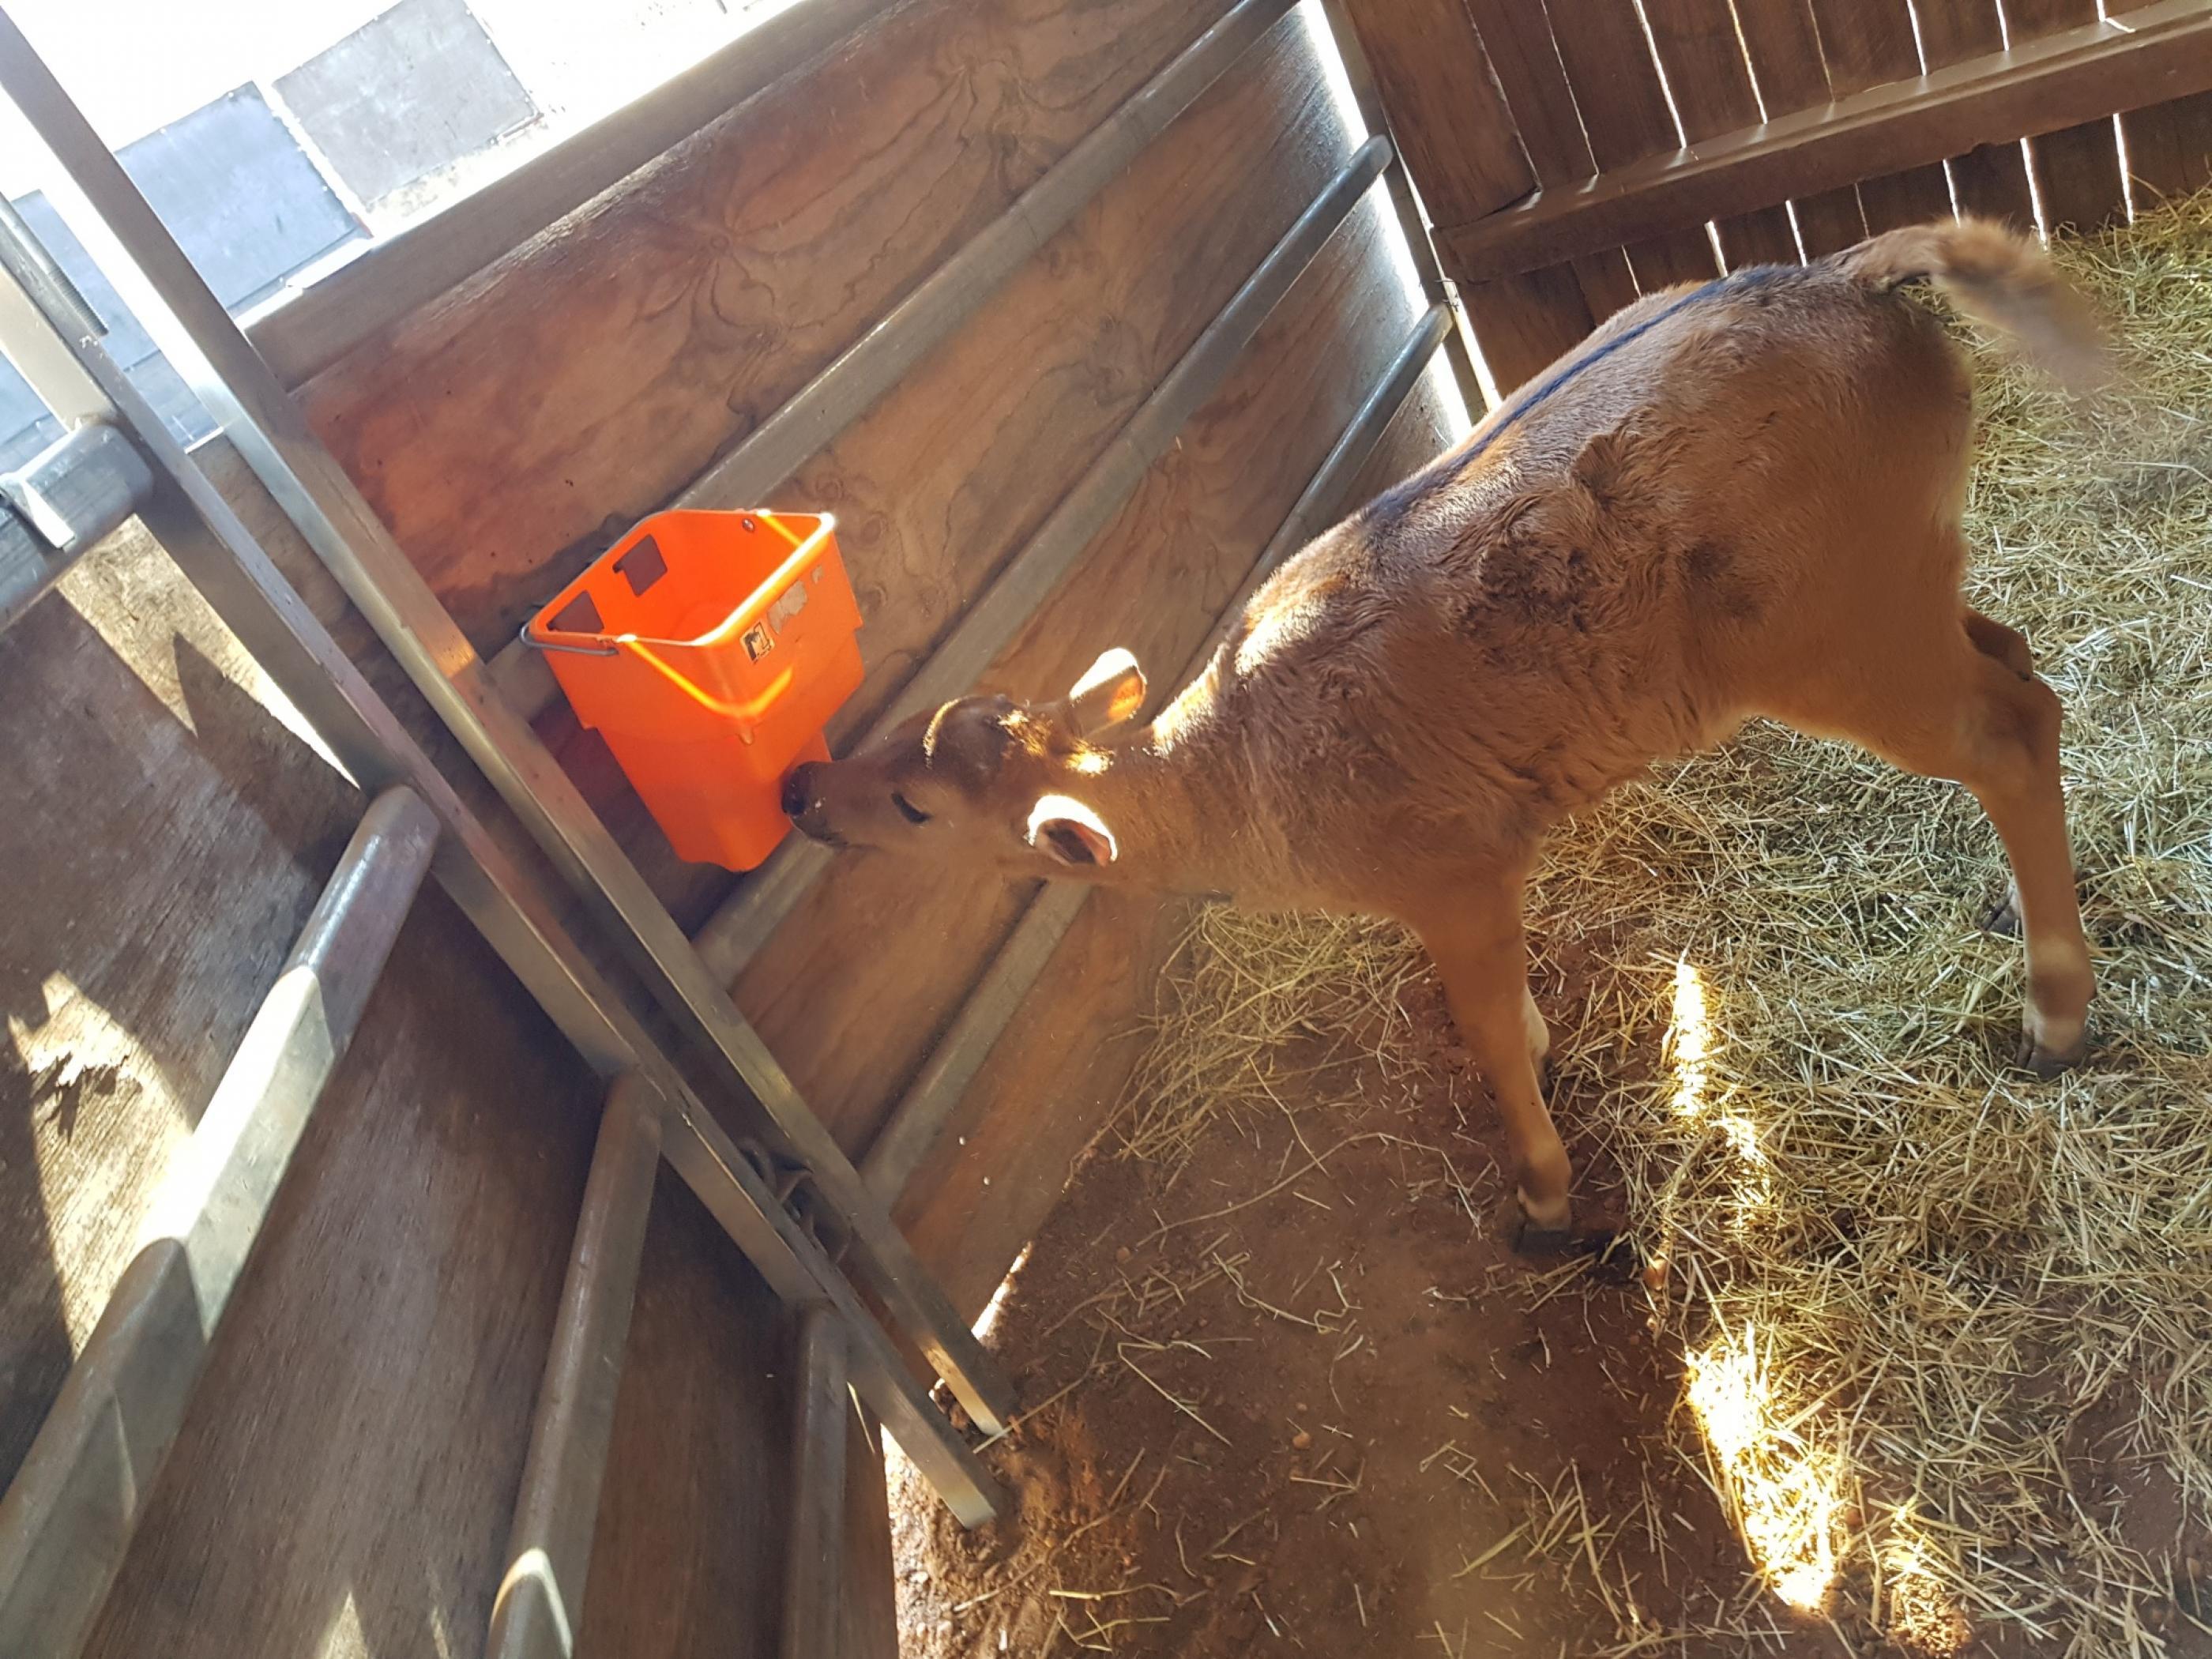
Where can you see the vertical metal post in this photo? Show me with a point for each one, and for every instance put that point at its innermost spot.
(540, 1605)
(812, 1592)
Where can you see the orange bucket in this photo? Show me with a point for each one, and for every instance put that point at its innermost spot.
(709, 650)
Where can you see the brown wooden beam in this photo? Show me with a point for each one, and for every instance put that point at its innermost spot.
(2161, 52)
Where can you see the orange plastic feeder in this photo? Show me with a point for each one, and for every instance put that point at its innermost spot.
(710, 650)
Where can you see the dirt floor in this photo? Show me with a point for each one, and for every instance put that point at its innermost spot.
(1309, 1400)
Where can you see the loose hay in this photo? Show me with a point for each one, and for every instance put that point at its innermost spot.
(1946, 1325)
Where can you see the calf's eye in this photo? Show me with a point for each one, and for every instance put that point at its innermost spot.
(908, 810)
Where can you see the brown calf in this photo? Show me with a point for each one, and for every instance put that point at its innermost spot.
(1736, 500)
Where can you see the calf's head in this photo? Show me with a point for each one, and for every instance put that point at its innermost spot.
(983, 780)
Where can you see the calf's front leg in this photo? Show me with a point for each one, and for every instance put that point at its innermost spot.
(1475, 937)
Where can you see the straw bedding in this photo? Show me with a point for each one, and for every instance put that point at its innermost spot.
(1948, 1328)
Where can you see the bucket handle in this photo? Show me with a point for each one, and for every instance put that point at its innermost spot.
(537, 644)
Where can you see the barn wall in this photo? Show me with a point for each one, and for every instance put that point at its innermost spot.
(1582, 90)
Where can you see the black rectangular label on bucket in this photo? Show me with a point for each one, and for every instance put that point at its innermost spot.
(758, 642)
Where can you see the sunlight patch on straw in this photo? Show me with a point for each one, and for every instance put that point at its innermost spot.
(1785, 1493)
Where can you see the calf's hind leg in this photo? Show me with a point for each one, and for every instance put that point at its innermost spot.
(1951, 707)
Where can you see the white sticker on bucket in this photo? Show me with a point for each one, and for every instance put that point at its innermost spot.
(792, 602)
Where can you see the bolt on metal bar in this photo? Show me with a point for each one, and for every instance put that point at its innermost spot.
(176, 307)
(67, 1519)
(540, 1605)
(813, 1570)
(871, 366)
(504, 900)
(734, 934)
(917, 1122)
(53, 509)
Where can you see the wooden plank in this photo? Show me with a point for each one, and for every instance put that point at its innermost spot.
(932, 503)
(1522, 321)
(1525, 321)
(1624, 110)
(1697, 46)
(1990, 180)
(687, 1559)
(2169, 146)
(2041, 86)
(1446, 113)
(1784, 51)
(1867, 43)
(2169, 150)
(2077, 168)
(310, 329)
(505, 430)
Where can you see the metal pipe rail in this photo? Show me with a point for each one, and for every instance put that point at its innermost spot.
(813, 1568)
(67, 1519)
(737, 931)
(915, 1124)
(171, 299)
(48, 339)
(853, 382)
(540, 1605)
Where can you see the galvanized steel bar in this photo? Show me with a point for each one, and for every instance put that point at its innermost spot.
(54, 509)
(540, 1605)
(735, 932)
(853, 382)
(502, 898)
(814, 1569)
(67, 1519)
(201, 341)
(915, 1124)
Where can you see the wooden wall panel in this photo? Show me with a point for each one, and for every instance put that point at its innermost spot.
(1992, 180)
(166, 838)
(947, 478)
(1446, 113)
(1784, 49)
(1697, 46)
(1870, 43)
(1057, 1077)
(1624, 110)
(505, 431)
(2077, 170)
(1523, 322)
(2169, 146)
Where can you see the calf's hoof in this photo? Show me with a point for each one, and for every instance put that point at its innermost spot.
(2047, 1063)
